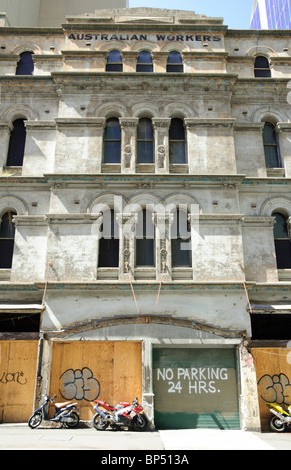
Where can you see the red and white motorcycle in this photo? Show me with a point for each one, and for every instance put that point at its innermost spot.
(124, 414)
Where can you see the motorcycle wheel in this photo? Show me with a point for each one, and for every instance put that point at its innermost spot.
(100, 423)
(35, 420)
(140, 423)
(76, 419)
(276, 424)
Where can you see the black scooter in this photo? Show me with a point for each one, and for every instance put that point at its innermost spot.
(66, 413)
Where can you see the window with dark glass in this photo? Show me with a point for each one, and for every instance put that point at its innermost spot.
(114, 62)
(174, 63)
(177, 142)
(112, 141)
(282, 241)
(7, 233)
(145, 239)
(144, 62)
(109, 243)
(145, 141)
(25, 65)
(271, 146)
(16, 144)
(262, 67)
(180, 240)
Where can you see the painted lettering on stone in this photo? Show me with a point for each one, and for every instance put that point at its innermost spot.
(144, 37)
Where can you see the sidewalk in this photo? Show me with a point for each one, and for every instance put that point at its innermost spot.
(21, 437)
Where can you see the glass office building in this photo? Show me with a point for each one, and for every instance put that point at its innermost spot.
(271, 14)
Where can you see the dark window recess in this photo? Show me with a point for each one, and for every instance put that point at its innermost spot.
(7, 232)
(25, 65)
(271, 326)
(145, 240)
(282, 241)
(177, 142)
(145, 141)
(271, 146)
(20, 323)
(180, 239)
(109, 243)
(112, 141)
(114, 62)
(16, 144)
(144, 62)
(174, 63)
(262, 67)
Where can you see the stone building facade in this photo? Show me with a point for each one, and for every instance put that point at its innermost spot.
(170, 118)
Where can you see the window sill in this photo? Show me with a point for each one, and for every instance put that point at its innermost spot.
(145, 272)
(5, 274)
(111, 168)
(179, 168)
(12, 171)
(276, 172)
(284, 274)
(104, 274)
(182, 273)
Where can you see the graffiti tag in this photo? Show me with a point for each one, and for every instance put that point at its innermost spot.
(17, 377)
(275, 389)
(79, 385)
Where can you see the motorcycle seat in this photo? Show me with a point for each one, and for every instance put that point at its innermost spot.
(64, 404)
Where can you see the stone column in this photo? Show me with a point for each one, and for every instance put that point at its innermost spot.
(161, 138)
(283, 130)
(163, 222)
(5, 130)
(129, 59)
(160, 61)
(128, 144)
(127, 224)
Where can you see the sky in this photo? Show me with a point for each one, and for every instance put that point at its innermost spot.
(236, 13)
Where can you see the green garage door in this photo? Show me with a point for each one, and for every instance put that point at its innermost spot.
(195, 388)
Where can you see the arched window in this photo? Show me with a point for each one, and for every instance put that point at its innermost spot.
(109, 243)
(16, 144)
(7, 233)
(271, 146)
(177, 142)
(282, 241)
(25, 65)
(180, 240)
(144, 62)
(174, 63)
(144, 253)
(145, 141)
(114, 62)
(112, 141)
(262, 67)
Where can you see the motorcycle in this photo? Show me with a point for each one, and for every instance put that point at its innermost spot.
(281, 419)
(124, 414)
(66, 413)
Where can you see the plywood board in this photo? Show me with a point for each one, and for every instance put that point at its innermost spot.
(86, 370)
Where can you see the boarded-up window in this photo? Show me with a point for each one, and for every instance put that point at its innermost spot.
(7, 233)
(174, 63)
(177, 142)
(145, 141)
(282, 241)
(262, 67)
(109, 243)
(25, 65)
(271, 146)
(180, 240)
(16, 144)
(144, 62)
(114, 62)
(112, 141)
(145, 239)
